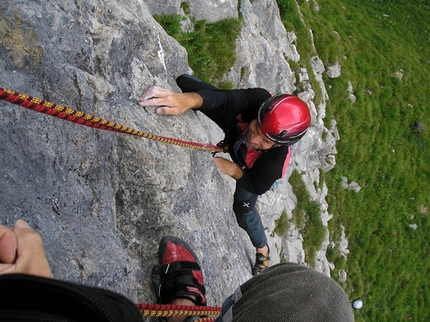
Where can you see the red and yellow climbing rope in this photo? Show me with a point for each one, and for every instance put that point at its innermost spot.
(165, 310)
(96, 122)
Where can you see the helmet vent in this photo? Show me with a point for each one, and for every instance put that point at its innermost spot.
(283, 133)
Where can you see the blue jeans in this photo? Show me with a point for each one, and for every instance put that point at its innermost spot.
(248, 217)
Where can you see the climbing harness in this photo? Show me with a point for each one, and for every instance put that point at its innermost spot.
(165, 310)
(89, 120)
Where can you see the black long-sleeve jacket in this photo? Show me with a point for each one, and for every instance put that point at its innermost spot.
(233, 109)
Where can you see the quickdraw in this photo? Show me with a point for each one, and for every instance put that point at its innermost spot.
(165, 310)
(96, 122)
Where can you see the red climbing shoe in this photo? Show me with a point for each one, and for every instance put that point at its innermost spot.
(181, 276)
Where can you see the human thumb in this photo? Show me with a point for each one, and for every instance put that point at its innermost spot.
(8, 245)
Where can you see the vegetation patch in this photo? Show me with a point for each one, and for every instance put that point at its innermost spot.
(307, 218)
(211, 46)
(281, 225)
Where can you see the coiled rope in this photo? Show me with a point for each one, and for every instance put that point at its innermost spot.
(166, 310)
(89, 120)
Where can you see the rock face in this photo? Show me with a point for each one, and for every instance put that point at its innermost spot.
(209, 10)
(334, 71)
(262, 48)
(101, 200)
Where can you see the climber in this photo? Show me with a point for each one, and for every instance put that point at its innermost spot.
(259, 129)
(284, 292)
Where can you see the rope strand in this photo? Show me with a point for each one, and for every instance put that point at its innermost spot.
(165, 310)
(89, 120)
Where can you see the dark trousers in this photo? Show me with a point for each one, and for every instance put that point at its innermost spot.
(248, 217)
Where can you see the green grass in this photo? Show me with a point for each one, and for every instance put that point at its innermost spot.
(282, 225)
(306, 217)
(381, 146)
(210, 47)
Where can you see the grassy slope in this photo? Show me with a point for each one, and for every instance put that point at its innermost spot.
(388, 266)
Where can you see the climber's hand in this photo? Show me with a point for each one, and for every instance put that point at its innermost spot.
(170, 102)
(21, 251)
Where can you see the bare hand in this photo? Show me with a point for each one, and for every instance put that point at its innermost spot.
(170, 102)
(228, 167)
(21, 251)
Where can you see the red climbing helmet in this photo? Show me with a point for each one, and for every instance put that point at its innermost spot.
(284, 118)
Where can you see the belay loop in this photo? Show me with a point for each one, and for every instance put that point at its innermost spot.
(96, 122)
(166, 310)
